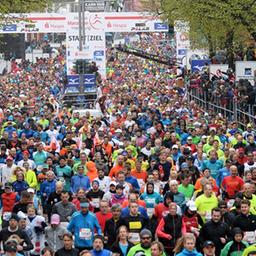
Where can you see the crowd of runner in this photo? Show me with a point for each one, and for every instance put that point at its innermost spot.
(155, 176)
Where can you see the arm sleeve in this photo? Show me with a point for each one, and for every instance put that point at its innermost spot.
(54, 209)
(183, 228)
(70, 226)
(29, 246)
(159, 230)
(218, 178)
(223, 184)
(111, 173)
(71, 186)
(225, 250)
(34, 181)
(97, 226)
(88, 184)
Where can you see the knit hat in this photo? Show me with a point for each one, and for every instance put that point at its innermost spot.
(145, 232)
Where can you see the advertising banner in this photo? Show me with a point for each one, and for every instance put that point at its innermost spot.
(73, 84)
(181, 30)
(246, 70)
(133, 22)
(96, 25)
(199, 65)
(35, 23)
(94, 41)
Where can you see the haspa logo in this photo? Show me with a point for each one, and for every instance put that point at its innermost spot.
(96, 22)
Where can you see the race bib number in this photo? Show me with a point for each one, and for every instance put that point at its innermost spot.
(135, 225)
(134, 238)
(249, 236)
(96, 202)
(150, 212)
(85, 233)
(151, 201)
(141, 182)
(6, 216)
(208, 216)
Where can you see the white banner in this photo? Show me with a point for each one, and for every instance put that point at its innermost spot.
(94, 48)
(36, 23)
(133, 22)
(182, 39)
(96, 25)
(246, 70)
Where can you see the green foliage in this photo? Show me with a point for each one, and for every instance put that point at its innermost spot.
(214, 21)
(22, 6)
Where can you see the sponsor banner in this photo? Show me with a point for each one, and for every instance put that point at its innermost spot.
(109, 22)
(94, 41)
(181, 30)
(133, 22)
(246, 70)
(35, 23)
(199, 65)
(217, 69)
(73, 84)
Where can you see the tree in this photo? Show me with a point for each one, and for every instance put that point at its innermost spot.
(220, 23)
(22, 6)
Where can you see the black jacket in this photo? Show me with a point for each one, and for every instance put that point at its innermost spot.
(214, 231)
(228, 218)
(172, 226)
(110, 231)
(116, 248)
(64, 252)
(5, 233)
(245, 222)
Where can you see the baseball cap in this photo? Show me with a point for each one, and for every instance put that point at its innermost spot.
(30, 190)
(11, 246)
(9, 158)
(189, 138)
(25, 152)
(118, 131)
(191, 205)
(208, 243)
(175, 146)
(55, 219)
(8, 185)
(112, 183)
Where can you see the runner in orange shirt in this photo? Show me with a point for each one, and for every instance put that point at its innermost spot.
(138, 172)
(117, 168)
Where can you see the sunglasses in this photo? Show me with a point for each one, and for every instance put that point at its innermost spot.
(146, 238)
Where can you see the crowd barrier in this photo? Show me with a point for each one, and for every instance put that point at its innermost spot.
(231, 109)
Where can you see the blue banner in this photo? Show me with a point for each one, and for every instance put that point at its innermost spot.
(199, 65)
(10, 28)
(160, 26)
(73, 83)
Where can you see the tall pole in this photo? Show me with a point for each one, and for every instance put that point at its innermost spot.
(81, 22)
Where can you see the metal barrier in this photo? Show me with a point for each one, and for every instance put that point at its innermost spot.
(230, 109)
